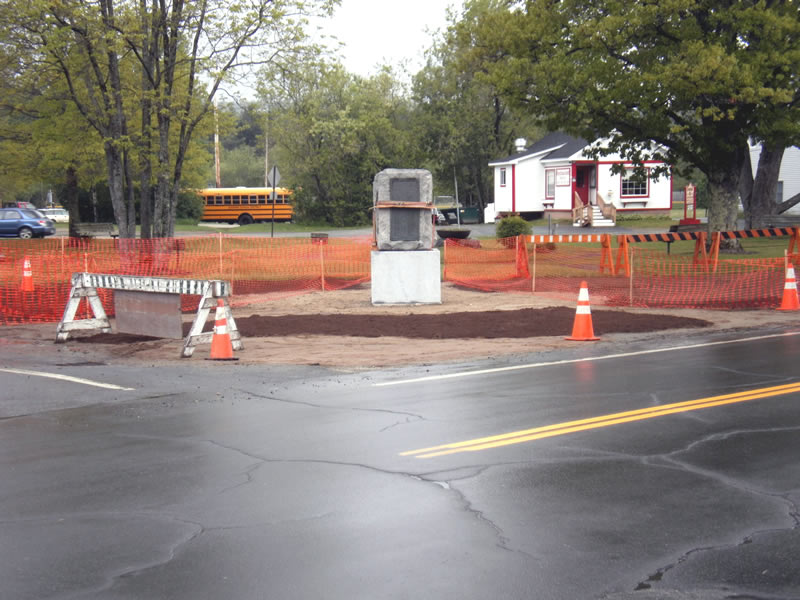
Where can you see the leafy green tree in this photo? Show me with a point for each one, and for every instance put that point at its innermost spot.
(462, 121)
(242, 128)
(242, 165)
(165, 61)
(698, 77)
(336, 131)
(246, 128)
(44, 143)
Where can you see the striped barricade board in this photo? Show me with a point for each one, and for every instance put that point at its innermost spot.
(568, 238)
(213, 292)
(758, 233)
(664, 237)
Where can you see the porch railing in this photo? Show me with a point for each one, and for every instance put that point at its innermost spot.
(608, 209)
(582, 213)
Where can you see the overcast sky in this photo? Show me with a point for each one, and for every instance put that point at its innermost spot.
(386, 31)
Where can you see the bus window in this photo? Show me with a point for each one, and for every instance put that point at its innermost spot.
(218, 199)
(262, 199)
(227, 199)
(236, 199)
(253, 199)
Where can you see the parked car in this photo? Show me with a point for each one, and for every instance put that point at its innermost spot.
(58, 215)
(16, 204)
(24, 223)
(438, 217)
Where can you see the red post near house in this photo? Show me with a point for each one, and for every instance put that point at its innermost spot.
(690, 206)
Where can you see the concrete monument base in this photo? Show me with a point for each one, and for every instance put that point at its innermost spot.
(406, 277)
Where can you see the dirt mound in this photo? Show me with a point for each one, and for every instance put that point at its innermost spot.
(524, 323)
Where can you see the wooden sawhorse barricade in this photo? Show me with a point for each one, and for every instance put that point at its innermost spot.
(212, 292)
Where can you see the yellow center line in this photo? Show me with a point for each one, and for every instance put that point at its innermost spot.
(536, 433)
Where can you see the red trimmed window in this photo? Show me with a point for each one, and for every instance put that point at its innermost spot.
(502, 177)
(633, 188)
(550, 183)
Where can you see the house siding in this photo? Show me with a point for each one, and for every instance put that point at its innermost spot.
(529, 180)
(502, 194)
(609, 186)
(789, 173)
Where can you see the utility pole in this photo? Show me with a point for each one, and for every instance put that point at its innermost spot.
(216, 146)
(266, 152)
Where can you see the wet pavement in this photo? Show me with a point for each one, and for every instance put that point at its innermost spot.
(215, 480)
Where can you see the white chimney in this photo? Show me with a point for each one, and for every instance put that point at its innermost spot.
(520, 144)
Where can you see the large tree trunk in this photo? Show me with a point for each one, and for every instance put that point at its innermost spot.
(723, 187)
(161, 209)
(131, 198)
(116, 177)
(765, 185)
(115, 156)
(150, 47)
(145, 195)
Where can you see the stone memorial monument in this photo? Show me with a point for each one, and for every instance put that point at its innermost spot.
(405, 265)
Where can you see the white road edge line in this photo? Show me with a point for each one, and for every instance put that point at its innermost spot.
(80, 380)
(577, 360)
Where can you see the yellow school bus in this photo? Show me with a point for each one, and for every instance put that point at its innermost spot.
(245, 205)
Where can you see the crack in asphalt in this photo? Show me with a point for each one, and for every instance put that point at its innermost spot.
(503, 541)
(670, 460)
(109, 579)
(410, 417)
(445, 486)
(173, 551)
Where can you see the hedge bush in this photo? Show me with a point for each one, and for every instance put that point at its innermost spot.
(512, 227)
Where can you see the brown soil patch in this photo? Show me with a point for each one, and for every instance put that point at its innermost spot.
(496, 324)
(343, 329)
(522, 323)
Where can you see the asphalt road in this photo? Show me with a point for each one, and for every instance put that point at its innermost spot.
(560, 476)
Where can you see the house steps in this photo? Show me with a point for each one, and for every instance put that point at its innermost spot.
(598, 220)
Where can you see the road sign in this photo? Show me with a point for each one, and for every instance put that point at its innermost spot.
(275, 177)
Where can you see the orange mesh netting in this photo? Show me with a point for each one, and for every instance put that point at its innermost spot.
(271, 268)
(258, 268)
(662, 280)
(489, 265)
(651, 279)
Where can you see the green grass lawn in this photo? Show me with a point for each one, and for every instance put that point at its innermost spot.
(773, 247)
(190, 225)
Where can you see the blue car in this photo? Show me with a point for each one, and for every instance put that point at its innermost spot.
(24, 223)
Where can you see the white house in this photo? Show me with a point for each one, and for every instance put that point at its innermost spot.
(554, 175)
(788, 176)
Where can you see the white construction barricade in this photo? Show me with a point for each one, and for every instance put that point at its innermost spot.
(211, 291)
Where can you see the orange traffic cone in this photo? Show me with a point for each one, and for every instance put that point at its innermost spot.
(790, 300)
(582, 330)
(27, 275)
(221, 347)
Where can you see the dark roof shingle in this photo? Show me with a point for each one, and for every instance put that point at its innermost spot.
(568, 146)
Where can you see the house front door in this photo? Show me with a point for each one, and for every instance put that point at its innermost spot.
(580, 185)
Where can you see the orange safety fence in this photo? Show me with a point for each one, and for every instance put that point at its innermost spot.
(272, 268)
(258, 268)
(490, 265)
(648, 279)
